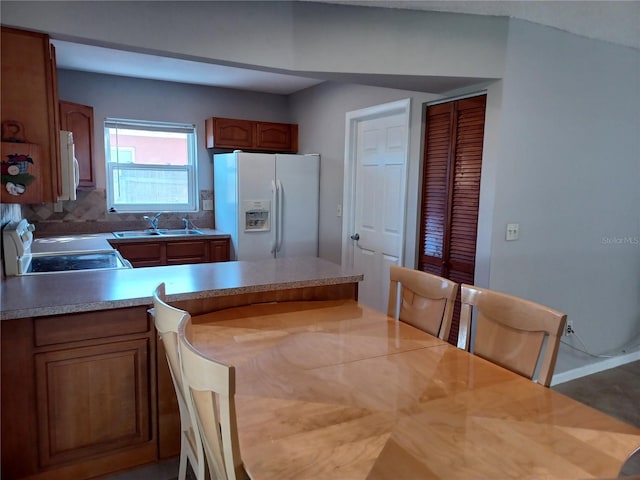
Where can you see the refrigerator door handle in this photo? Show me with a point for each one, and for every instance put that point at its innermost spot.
(279, 217)
(274, 217)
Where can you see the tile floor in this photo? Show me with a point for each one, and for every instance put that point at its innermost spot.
(615, 392)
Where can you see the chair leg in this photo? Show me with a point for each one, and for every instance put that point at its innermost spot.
(200, 470)
(182, 471)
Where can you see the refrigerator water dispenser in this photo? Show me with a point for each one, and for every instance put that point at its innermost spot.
(257, 215)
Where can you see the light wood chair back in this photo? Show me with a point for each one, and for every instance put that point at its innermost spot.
(511, 331)
(426, 302)
(211, 386)
(167, 319)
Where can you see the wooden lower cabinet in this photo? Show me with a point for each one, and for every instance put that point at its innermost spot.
(78, 394)
(173, 252)
(168, 410)
(220, 250)
(147, 254)
(92, 400)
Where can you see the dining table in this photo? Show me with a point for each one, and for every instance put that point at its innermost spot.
(336, 390)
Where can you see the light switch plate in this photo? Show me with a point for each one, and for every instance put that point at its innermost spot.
(207, 204)
(513, 231)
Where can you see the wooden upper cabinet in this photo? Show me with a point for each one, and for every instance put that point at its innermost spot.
(78, 119)
(282, 137)
(230, 133)
(29, 114)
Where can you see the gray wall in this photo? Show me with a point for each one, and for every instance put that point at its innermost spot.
(122, 97)
(281, 35)
(568, 168)
(321, 111)
(561, 141)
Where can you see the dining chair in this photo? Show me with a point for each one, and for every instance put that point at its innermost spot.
(511, 331)
(631, 466)
(427, 300)
(211, 388)
(167, 319)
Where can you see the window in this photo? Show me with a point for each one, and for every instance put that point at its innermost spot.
(151, 166)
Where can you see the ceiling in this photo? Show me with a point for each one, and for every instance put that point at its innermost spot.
(89, 58)
(612, 21)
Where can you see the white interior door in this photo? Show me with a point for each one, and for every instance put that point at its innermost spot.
(376, 235)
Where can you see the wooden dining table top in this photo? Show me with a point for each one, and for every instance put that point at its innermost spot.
(335, 390)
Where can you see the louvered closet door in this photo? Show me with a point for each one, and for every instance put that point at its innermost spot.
(450, 191)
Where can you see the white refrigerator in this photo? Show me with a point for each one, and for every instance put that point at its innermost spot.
(268, 203)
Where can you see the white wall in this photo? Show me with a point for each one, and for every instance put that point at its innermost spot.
(320, 112)
(568, 170)
(122, 97)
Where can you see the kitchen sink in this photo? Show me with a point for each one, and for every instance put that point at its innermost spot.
(180, 231)
(160, 232)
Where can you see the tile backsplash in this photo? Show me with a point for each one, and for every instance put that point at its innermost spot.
(88, 214)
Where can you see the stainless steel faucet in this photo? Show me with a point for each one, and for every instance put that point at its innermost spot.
(153, 221)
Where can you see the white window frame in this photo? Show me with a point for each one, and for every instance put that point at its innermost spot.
(129, 150)
(191, 168)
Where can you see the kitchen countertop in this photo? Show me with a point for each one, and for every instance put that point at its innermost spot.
(83, 291)
(100, 241)
(63, 243)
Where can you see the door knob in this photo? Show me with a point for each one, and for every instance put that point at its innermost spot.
(355, 237)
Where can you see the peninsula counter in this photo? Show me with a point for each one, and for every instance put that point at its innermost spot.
(83, 291)
(86, 391)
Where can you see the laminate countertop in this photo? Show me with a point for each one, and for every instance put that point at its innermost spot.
(83, 291)
(102, 241)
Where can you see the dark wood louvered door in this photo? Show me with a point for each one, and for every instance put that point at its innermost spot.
(451, 190)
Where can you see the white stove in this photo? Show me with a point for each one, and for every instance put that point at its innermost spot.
(17, 238)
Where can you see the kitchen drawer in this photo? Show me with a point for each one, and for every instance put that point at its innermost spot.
(183, 252)
(89, 326)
